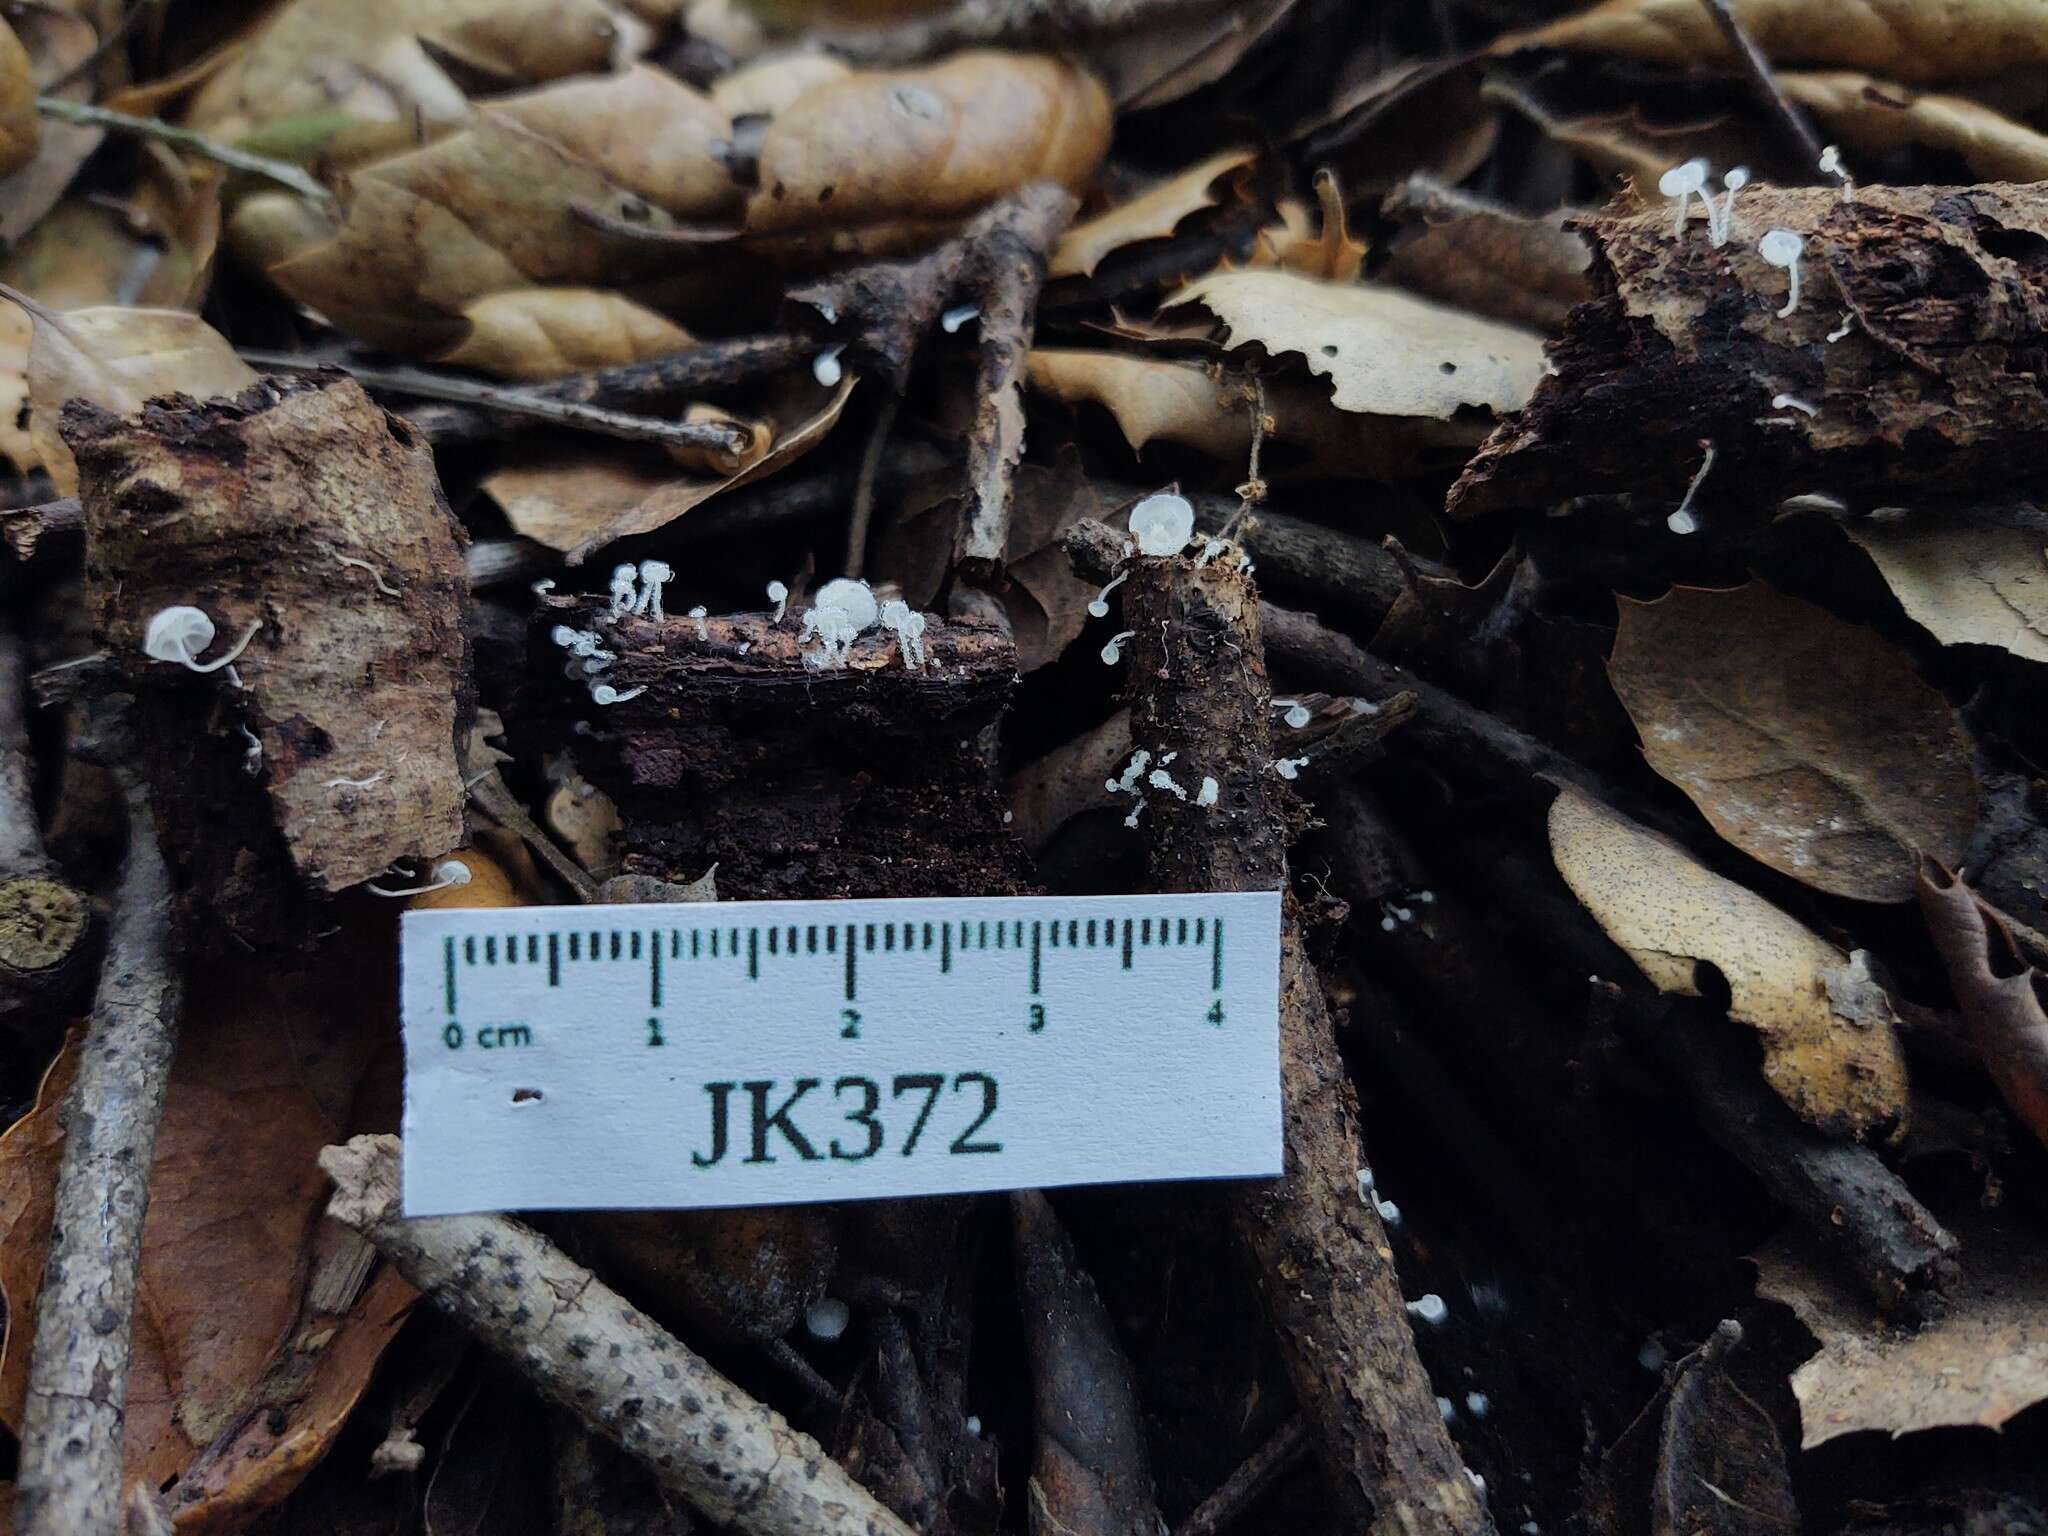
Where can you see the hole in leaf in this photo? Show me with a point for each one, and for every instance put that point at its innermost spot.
(527, 1095)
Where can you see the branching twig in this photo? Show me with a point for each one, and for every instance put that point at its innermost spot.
(717, 437)
(283, 172)
(1758, 71)
(71, 1433)
(583, 1347)
(1007, 251)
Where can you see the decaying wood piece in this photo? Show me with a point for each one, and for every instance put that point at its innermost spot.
(46, 925)
(301, 517)
(1091, 1472)
(796, 781)
(69, 1483)
(1321, 1259)
(1005, 269)
(583, 1347)
(1916, 343)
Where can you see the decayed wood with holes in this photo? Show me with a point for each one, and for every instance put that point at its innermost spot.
(1911, 368)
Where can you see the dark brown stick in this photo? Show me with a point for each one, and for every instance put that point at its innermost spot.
(1319, 1254)
(71, 1433)
(1757, 69)
(45, 924)
(1258, 1472)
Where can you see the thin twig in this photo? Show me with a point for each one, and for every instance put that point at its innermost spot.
(69, 1483)
(864, 485)
(21, 842)
(283, 172)
(585, 1348)
(1758, 70)
(497, 802)
(713, 436)
(1258, 1472)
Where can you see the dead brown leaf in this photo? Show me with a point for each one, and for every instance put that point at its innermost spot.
(117, 358)
(1808, 742)
(544, 333)
(57, 42)
(774, 84)
(1877, 117)
(928, 146)
(1152, 215)
(1905, 39)
(1199, 407)
(1477, 256)
(2003, 999)
(1321, 247)
(253, 1308)
(1965, 582)
(1978, 1364)
(1386, 352)
(1831, 1049)
(579, 504)
(1720, 1465)
(20, 124)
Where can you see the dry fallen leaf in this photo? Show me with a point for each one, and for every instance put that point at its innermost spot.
(1463, 251)
(1152, 215)
(773, 84)
(1965, 583)
(1386, 352)
(20, 124)
(294, 1054)
(117, 358)
(1321, 246)
(1906, 39)
(1720, 1464)
(1808, 742)
(1978, 1364)
(370, 59)
(579, 504)
(544, 333)
(1155, 399)
(1876, 117)
(58, 44)
(2003, 999)
(1830, 1047)
(928, 147)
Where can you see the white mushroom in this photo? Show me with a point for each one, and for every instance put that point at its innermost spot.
(1783, 248)
(1680, 183)
(1162, 524)
(179, 634)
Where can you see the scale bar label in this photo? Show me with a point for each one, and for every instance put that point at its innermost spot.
(763, 1053)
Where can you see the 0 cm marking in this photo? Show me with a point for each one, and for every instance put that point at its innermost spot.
(490, 1037)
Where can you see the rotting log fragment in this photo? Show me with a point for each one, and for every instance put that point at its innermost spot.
(795, 781)
(305, 517)
(1917, 342)
(1318, 1252)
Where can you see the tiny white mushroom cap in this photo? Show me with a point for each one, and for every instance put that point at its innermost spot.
(1162, 523)
(777, 592)
(177, 634)
(1781, 247)
(854, 599)
(1682, 180)
(827, 1318)
(625, 571)
(656, 570)
(1736, 178)
(1831, 158)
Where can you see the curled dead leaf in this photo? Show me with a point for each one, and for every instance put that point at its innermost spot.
(578, 505)
(774, 84)
(1964, 582)
(1831, 1049)
(1321, 246)
(1386, 352)
(928, 146)
(1809, 743)
(1906, 39)
(1152, 215)
(58, 43)
(2003, 999)
(1979, 1363)
(260, 1333)
(544, 333)
(117, 358)
(1478, 256)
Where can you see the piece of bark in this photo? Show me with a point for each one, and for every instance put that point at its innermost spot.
(24, 528)
(1930, 392)
(795, 781)
(1320, 1257)
(46, 924)
(2003, 999)
(583, 1347)
(1009, 248)
(304, 513)
(69, 1482)
(1091, 1472)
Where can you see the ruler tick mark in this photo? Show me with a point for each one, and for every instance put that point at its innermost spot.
(1127, 943)
(448, 972)
(1216, 965)
(850, 958)
(1034, 959)
(753, 954)
(945, 948)
(554, 960)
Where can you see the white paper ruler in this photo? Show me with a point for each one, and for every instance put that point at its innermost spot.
(758, 1053)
